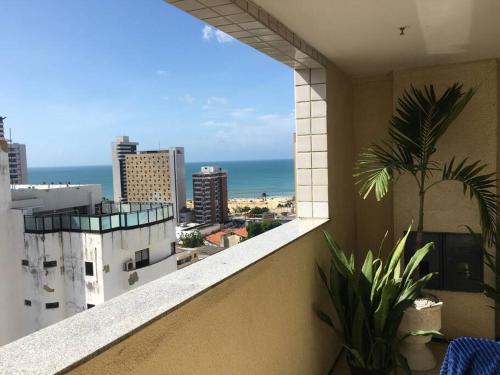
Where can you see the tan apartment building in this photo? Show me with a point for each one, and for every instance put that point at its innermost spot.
(210, 195)
(156, 176)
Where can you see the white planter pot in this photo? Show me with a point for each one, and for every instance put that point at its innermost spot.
(414, 348)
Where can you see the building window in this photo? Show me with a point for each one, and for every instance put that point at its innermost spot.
(52, 305)
(27, 302)
(25, 262)
(89, 306)
(89, 269)
(142, 258)
(172, 248)
(50, 264)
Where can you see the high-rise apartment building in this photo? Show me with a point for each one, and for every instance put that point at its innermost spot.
(210, 195)
(18, 164)
(2, 130)
(157, 176)
(119, 149)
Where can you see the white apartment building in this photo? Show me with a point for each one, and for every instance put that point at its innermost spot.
(18, 164)
(119, 149)
(64, 251)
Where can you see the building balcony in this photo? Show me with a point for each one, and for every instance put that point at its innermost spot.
(110, 217)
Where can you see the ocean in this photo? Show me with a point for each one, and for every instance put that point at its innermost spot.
(246, 179)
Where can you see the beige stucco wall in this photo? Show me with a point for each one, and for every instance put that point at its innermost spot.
(341, 157)
(258, 322)
(475, 135)
(372, 109)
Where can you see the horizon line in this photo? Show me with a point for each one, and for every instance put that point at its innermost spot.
(187, 162)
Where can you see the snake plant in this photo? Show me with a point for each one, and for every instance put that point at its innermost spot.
(369, 303)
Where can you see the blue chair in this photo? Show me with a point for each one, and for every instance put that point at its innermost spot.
(470, 356)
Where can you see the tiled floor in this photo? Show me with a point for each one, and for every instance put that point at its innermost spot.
(439, 350)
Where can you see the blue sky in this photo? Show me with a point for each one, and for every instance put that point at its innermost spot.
(75, 74)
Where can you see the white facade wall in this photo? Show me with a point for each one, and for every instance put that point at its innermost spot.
(11, 243)
(67, 283)
(36, 198)
(18, 163)
(178, 178)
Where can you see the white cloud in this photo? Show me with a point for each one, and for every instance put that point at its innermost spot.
(217, 100)
(161, 72)
(222, 37)
(207, 32)
(242, 112)
(186, 98)
(210, 33)
(216, 124)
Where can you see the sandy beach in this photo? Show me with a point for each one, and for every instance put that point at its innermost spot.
(270, 202)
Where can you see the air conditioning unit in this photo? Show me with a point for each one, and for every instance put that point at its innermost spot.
(128, 265)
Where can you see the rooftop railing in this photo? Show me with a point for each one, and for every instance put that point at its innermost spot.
(108, 217)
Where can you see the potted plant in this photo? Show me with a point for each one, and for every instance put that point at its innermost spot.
(370, 303)
(421, 119)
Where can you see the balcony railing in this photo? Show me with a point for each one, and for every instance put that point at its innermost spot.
(110, 217)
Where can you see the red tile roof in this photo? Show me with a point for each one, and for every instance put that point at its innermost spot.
(215, 238)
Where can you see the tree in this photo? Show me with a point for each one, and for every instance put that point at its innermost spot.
(270, 224)
(254, 229)
(259, 210)
(192, 239)
(420, 121)
(264, 196)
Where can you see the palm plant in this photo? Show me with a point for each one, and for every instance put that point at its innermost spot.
(420, 121)
(370, 304)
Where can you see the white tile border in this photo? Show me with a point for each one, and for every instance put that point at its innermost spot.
(263, 31)
(311, 143)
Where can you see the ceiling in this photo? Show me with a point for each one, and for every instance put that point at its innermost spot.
(363, 38)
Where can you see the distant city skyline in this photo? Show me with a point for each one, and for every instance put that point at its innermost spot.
(77, 74)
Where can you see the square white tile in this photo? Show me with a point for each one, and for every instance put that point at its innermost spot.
(303, 110)
(319, 142)
(318, 76)
(302, 93)
(318, 108)
(303, 143)
(304, 193)
(304, 177)
(303, 126)
(320, 176)
(302, 77)
(304, 209)
(320, 159)
(318, 91)
(320, 210)
(303, 160)
(318, 125)
(320, 193)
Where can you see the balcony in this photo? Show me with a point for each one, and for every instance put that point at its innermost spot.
(111, 217)
(248, 310)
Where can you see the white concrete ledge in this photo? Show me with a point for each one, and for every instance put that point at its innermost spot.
(62, 346)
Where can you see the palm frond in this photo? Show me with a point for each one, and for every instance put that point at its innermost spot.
(377, 165)
(480, 186)
(422, 118)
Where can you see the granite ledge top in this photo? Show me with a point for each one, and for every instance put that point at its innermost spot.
(60, 346)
